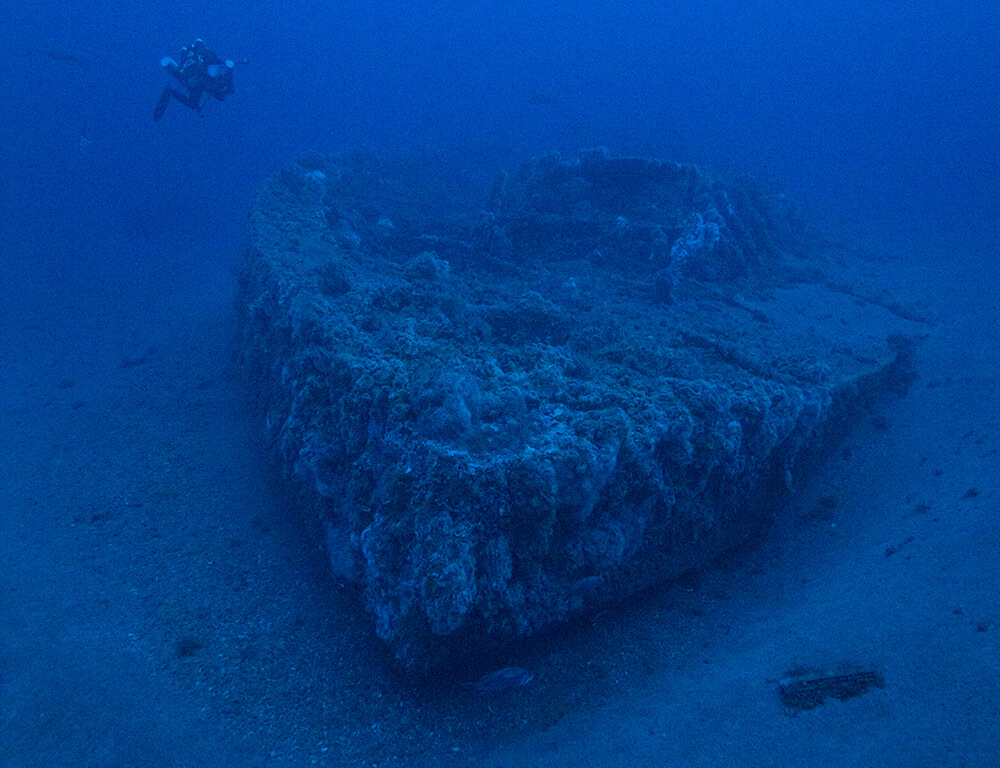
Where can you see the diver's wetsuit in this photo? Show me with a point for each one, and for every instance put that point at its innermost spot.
(200, 72)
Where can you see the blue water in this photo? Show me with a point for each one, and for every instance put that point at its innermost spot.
(892, 106)
(120, 234)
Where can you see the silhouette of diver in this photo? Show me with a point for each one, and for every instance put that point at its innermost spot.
(199, 72)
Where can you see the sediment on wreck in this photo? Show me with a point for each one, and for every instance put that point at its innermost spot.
(509, 399)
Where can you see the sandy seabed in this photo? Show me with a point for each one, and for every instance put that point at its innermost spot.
(162, 604)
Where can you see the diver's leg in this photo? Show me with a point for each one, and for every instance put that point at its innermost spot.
(193, 99)
(161, 105)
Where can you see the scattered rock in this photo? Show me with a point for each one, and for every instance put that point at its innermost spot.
(807, 689)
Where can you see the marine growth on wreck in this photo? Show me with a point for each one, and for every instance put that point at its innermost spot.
(511, 398)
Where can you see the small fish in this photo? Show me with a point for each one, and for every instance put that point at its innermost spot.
(541, 98)
(84, 141)
(504, 679)
(61, 55)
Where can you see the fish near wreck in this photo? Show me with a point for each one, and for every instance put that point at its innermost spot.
(60, 56)
(505, 679)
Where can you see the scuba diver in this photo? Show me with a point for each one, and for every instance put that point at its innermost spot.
(199, 72)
